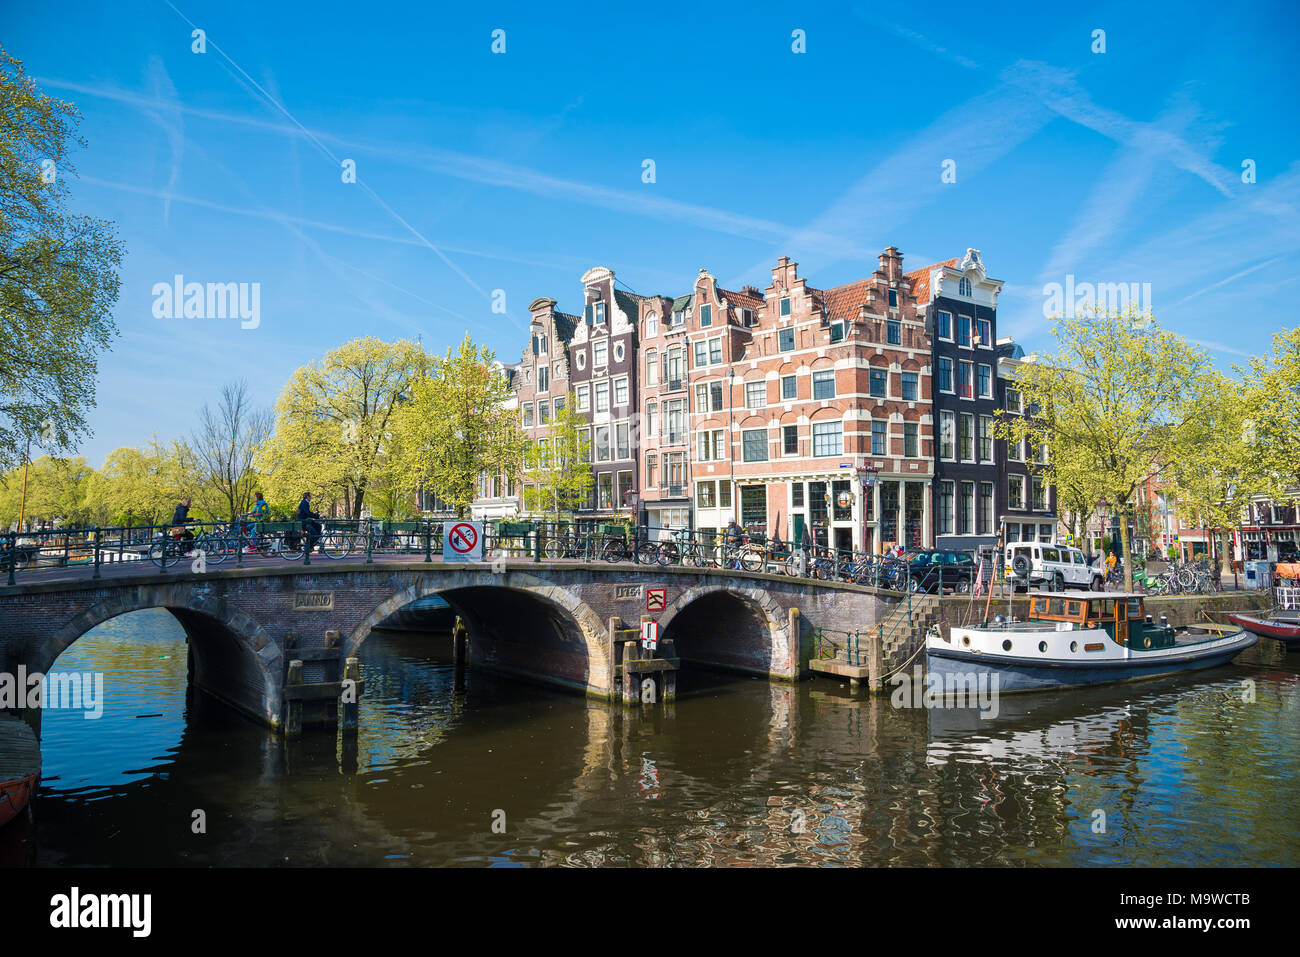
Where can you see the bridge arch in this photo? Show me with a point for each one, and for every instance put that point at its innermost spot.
(497, 607)
(232, 655)
(746, 628)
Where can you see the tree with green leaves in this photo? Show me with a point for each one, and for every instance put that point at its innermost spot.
(1118, 400)
(459, 424)
(58, 275)
(225, 445)
(1272, 400)
(557, 472)
(334, 422)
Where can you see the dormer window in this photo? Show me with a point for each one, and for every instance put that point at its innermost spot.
(679, 317)
(837, 332)
(747, 317)
(963, 287)
(651, 325)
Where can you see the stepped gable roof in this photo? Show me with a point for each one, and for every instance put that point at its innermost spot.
(921, 279)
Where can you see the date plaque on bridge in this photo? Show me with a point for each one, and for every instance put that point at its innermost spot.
(313, 601)
(625, 592)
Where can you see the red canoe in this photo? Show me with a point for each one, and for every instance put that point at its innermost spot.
(20, 767)
(1288, 631)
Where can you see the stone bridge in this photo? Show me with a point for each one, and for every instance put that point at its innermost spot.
(550, 621)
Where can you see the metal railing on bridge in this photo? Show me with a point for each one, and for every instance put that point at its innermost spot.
(234, 543)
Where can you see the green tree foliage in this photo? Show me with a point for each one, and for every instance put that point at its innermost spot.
(58, 275)
(558, 468)
(1272, 400)
(334, 422)
(1117, 401)
(458, 426)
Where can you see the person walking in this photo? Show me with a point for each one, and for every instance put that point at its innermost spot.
(310, 522)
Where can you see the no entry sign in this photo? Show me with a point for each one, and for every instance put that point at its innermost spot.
(462, 542)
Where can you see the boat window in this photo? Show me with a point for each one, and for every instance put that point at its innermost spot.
(1135, 608)
(1102, 608)
(1056, 607)
(1040, 606)
(1075, 607)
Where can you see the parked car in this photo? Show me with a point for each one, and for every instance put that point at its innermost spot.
(1056, 567)
(934, 571)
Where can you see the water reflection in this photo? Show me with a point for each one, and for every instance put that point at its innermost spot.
(739, 772)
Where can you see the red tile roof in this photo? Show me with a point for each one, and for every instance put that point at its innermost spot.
(744, 300)
(921, 280)
(842, 302)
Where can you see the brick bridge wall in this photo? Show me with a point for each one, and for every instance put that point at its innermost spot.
(546, 621)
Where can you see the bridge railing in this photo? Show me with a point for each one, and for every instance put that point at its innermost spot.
(215, 543)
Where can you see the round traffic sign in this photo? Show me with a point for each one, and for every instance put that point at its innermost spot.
(463, 537)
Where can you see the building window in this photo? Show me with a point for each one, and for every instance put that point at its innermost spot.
(789, 440)
(619, 352)
(910, 383)
(715, 393)
(602, 443)
(651, 325)
(624, 489)
(582, 359)
(543, 413)
(837, 332)
(945, 325)
(1016, 492)
(986, 438)
(910, 439)
(706, 494)
(965, 437)
(528, 416)
(796, 494)
(1015, 450)
(894, 331)
(754, 445)
(606, 488)
(785, 306)
(963, 287)
(651, 470)
(715, 351)
(674, 368)
(963, 331)
(1039, 493)
(945, 374)
(964, 386)
(701, 354)
(724, 494)
(753, 506)
(559, 405)
(878, 429)
(789, 387)
(599, 310)
(602, 397)
(785, 339)
(893, 299)
(966, 509)
(947, 428)
(986, 382)
(674, 420)
(600, 354)
(586, 446)
(945, 508)
(755, 394)
(747, 317)
(984, 333)
(652, 368)
(712, 445)
(879, 381)
(986, 508)
(1013, 399)
(620, 393)
(828, 438)
(543, 380)
(702, 397)
(823, 384)
(622, 446)
(706, 315)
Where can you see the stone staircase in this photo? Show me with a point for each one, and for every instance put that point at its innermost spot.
(903, 631)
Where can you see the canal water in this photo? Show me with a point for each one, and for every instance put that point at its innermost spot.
(738, 772)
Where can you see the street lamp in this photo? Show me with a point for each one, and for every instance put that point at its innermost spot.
(867, 474)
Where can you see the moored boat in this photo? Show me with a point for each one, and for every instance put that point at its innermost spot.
(1074, 642)
(20, 767)
(1282, 623)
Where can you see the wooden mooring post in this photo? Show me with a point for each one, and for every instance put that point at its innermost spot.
(647, 676)
(316, 703)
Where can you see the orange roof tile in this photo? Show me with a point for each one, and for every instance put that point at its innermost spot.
(921, 280)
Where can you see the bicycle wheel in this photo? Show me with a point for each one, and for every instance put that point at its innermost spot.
(163, 554)
(336, 544)
(751, 560)
(555, 548)
(291, 546)
(612, 552)
(215, 548)
(647, 553)
(669, 553)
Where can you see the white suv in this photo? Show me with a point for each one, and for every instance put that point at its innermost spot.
(1058, 567)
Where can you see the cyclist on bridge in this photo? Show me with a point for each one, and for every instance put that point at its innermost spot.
(180, 518)
(311, 524)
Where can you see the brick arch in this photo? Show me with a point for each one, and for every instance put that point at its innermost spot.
(586, 621)
(828, 413)
(783, 653)
(881, 361)
(178, 597)
(910, 364)
(822, 363)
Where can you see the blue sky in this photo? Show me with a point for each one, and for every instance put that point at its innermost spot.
(518, 171)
